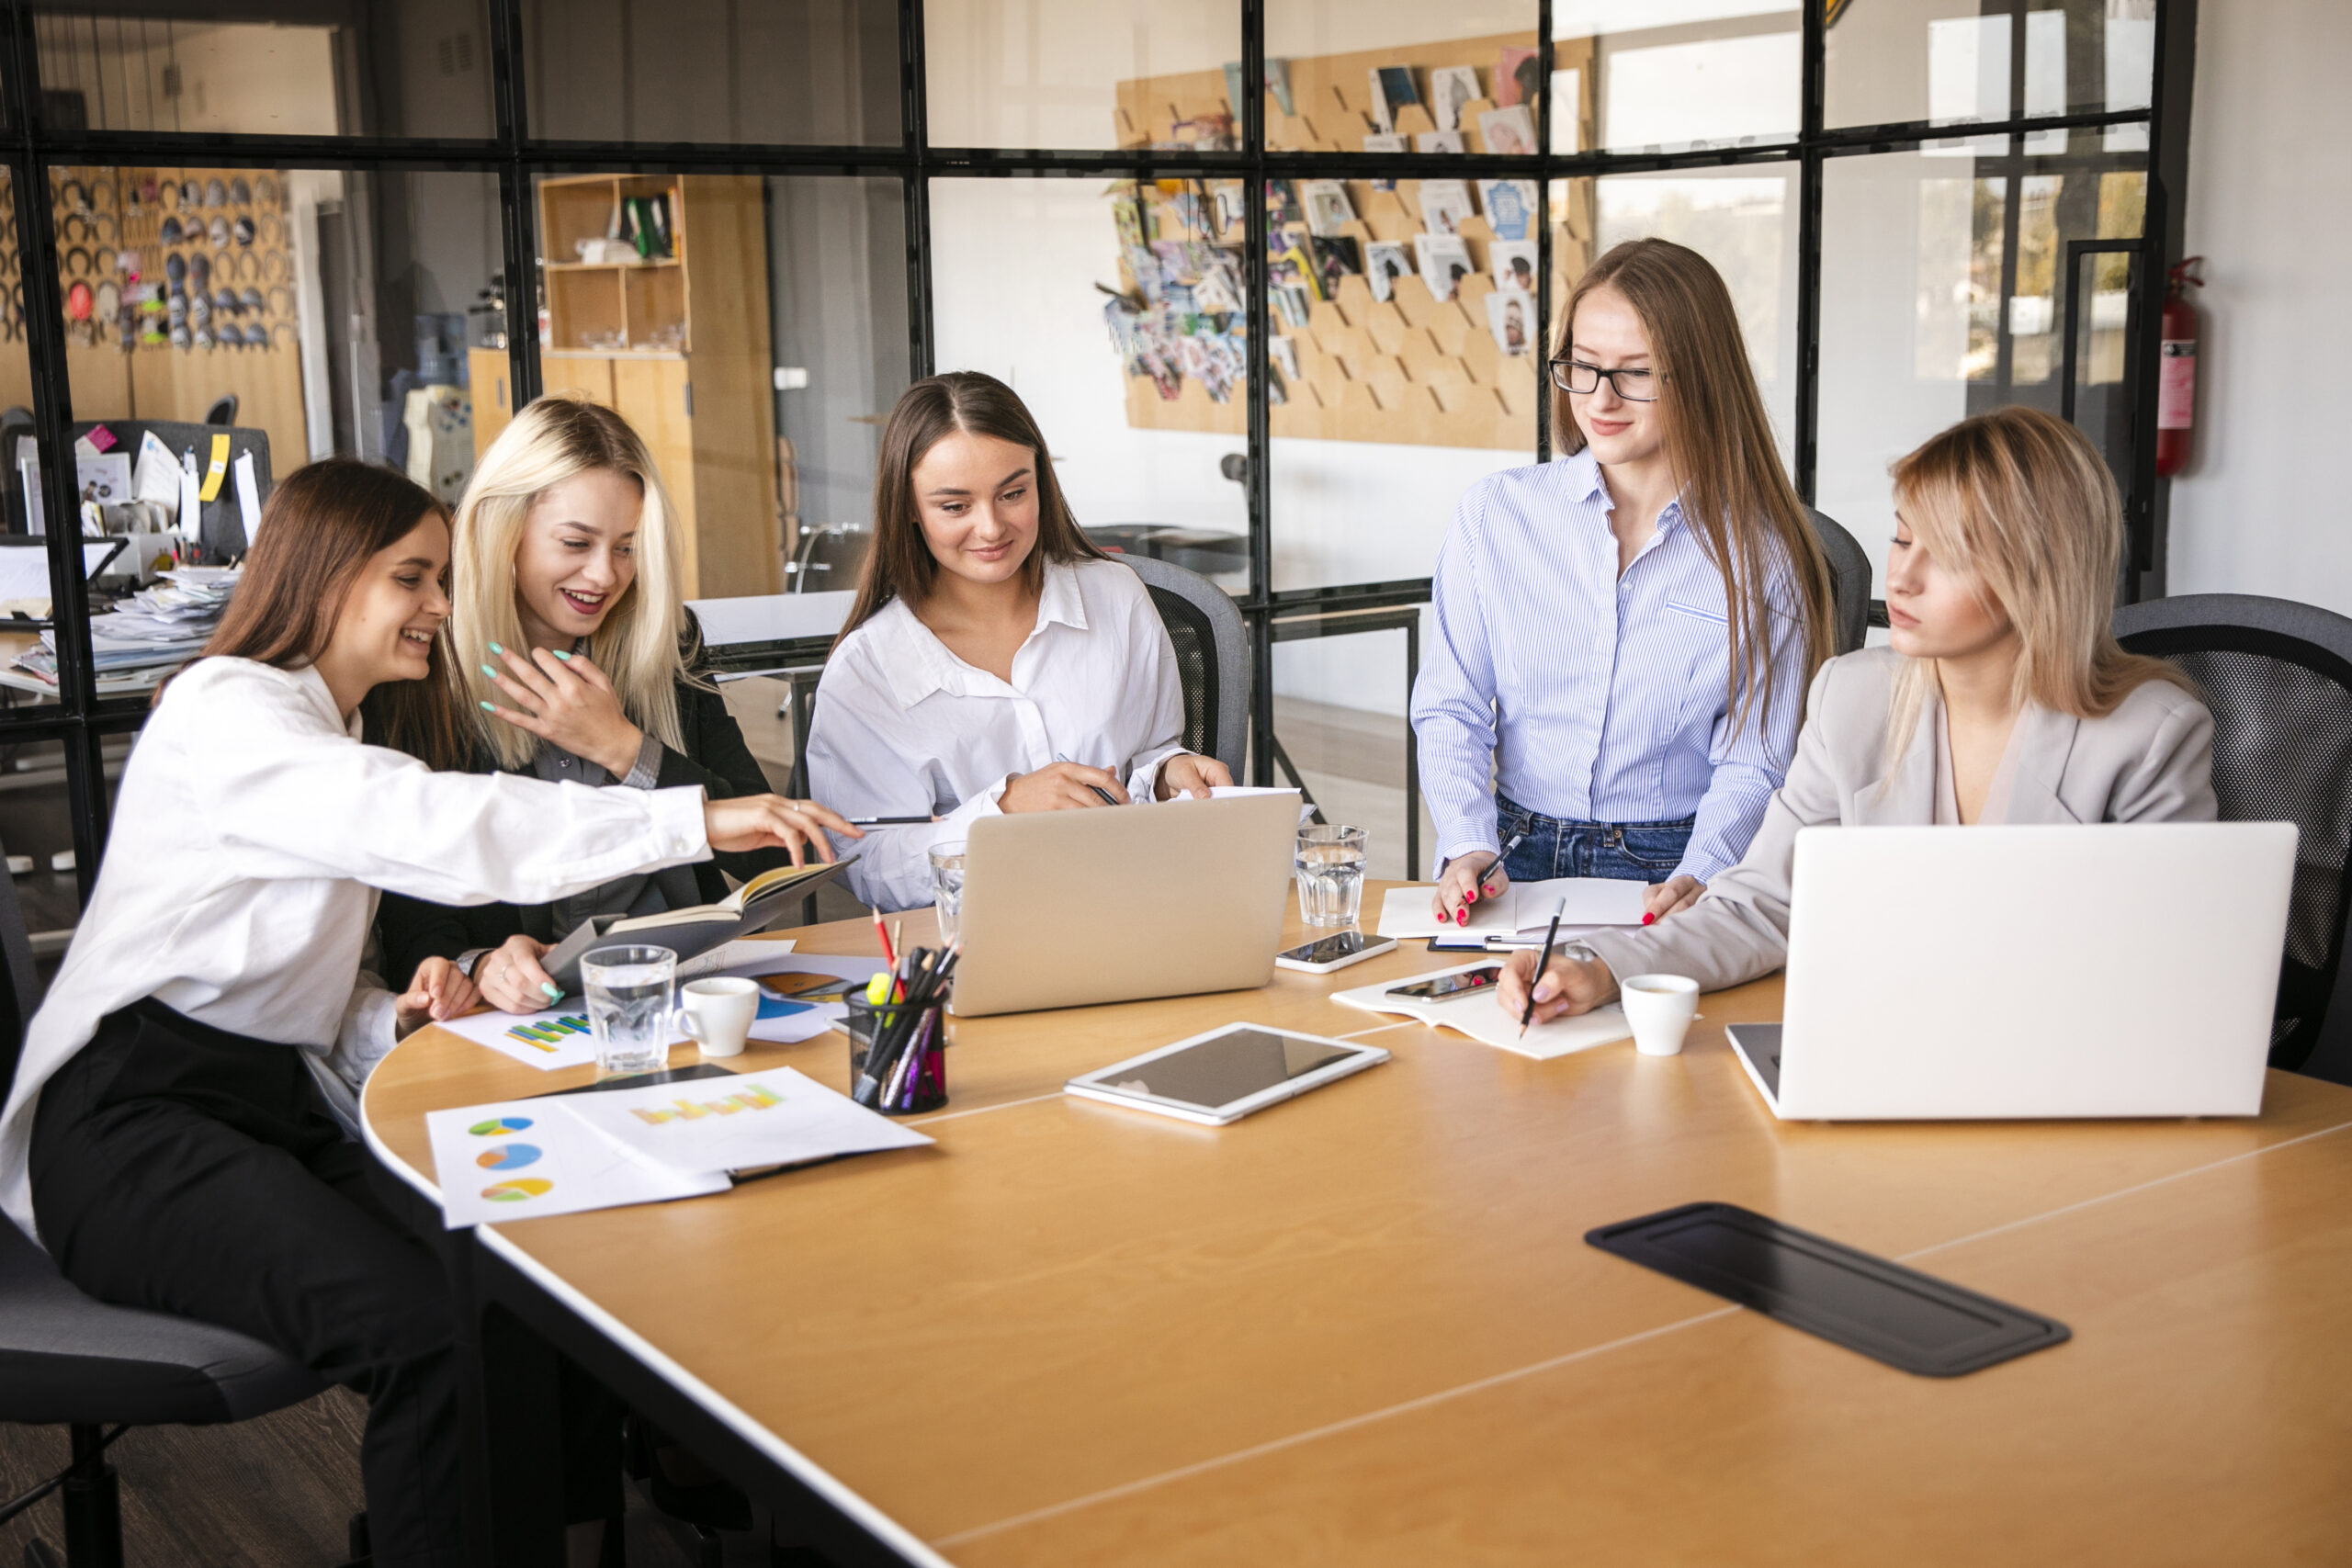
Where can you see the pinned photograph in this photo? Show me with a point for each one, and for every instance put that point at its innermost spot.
(1513, 262)
(1451, 86)
(1444, 262)
(1290, 268)
(1392, 89)
(1511, 316)
(1282, 204)
(1282, 352)
(1327, 205)
(1515, 77)
(1334, 259)
(1507, 132)
(1438, 141)
(1385, 262)
(1384, 141)
(1444, 204)
(1509, 207)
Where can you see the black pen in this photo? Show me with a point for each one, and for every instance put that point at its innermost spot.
(1098, 789)
(1541, 958)
(1485, 891)
(888, 822)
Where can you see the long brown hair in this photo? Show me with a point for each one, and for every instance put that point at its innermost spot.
(1735, 493)
(322, 525)
(901, 566)
(2020, 501)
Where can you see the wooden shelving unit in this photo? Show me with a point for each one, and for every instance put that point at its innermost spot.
(1410, 369)
(679, 346)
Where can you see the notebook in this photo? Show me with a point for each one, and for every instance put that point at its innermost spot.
(753, 907)
(1521, 907)
(1479, 1016)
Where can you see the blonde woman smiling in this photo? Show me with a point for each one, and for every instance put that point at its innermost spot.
(578, 660)
(2001, 697)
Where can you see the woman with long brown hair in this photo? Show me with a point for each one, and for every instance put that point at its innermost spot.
(994, 660)
(1623, 636)
(2002, 696)
(161, 1138)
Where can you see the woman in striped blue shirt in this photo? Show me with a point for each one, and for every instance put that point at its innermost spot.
(1623, 637)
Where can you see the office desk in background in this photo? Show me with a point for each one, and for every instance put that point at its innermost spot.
(1364, 1326)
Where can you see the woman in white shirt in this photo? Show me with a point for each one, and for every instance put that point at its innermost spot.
(1622, 636)
(2001, 697)
(162, 1133)
(994, 660)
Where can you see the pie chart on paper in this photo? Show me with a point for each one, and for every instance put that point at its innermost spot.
(517, 1190)
(507, 1157)
(498, 1126)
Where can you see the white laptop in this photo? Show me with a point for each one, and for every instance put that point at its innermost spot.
(2114, 970)
(1068, 908)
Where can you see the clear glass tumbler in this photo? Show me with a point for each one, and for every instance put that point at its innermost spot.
(948, 888)
(1329, 863)
(628, 1006)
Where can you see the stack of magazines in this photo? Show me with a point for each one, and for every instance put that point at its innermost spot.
(154, 629)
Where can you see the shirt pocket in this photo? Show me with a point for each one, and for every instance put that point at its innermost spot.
(1712, 617)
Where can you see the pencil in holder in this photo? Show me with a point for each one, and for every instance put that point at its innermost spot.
(910, 1075)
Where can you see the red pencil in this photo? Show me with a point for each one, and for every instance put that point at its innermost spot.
(889, 954)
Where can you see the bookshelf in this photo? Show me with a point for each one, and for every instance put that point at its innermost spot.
(679, 347)
(1410, 369)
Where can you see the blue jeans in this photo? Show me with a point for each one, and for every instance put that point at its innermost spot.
(1627, 851)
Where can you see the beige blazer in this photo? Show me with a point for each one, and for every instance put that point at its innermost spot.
(2150, 760)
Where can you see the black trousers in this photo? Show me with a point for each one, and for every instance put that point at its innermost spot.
(184, 1169)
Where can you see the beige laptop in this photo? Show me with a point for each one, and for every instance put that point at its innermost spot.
(1068, 908)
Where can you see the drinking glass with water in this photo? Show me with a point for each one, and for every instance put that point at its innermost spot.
(628, 1006)
(947, 888)
(1329, 862)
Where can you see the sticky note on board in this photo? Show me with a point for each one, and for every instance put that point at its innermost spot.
(219, 469)
(191, 509)
(248, 497)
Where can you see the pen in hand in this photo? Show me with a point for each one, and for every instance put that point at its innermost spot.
(1486, 876)
(1098, 789)
(1543, 957)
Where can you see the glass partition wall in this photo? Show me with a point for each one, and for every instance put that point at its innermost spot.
(1276, 276)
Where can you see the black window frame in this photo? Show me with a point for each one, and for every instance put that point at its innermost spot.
(82, 720)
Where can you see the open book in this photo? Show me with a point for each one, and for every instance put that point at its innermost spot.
(753, 907)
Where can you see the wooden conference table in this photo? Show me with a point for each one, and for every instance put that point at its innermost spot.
(1364, 1327)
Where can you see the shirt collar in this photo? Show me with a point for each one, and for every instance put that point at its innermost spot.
(1581, 473)
(916, 663)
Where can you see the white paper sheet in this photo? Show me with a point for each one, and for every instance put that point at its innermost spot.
(1592, 901)
(775, 1117)
(521, 1159)
(547, 1041)
(1481, 1018)
(1407, 912)
(248, 497)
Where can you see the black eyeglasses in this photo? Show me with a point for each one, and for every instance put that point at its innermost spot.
(1579, 379)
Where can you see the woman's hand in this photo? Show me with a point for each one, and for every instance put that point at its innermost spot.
(1675, 894)
(1061, 786)
(564, 698)
(439, 992)
(510, 979)
(1185, 773)
(1466, 880)
(1570, 985)
(770, 822)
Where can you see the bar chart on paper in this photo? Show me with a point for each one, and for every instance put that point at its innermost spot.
(544, 1040)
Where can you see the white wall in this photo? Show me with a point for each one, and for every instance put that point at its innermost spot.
(2262, 511)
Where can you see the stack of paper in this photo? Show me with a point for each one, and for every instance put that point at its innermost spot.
(159, 627)
(521, 1159)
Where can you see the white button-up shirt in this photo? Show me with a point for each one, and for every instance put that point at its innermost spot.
(904, 728)
(251, 833)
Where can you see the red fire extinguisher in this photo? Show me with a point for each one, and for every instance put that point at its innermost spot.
(2177, 369)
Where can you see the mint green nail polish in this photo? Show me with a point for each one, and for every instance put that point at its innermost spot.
(554, 991)
(489, 671)
(486, 708)
(496, 649)
(561, 654)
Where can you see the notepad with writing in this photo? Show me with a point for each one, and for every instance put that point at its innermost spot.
(753, 907)
(1479, 1016)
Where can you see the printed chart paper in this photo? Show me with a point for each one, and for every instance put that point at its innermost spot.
(525, 1157)
(775, 1117)
(557, 1038)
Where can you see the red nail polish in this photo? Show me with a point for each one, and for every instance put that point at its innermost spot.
(1648, 919)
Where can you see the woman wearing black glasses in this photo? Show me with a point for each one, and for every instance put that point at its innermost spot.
(1623, 636)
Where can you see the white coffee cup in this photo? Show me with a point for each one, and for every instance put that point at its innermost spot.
(718, 1013)
(1660, 1008)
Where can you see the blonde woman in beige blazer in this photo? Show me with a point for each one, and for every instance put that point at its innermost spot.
(2001, 697)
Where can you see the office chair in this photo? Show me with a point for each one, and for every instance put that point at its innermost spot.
(68, 1360)
(831, 557)
(1212, 657)
(2277, 677)
(223, 410)
(1851, 567)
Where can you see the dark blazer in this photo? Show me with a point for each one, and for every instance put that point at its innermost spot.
(713, 755)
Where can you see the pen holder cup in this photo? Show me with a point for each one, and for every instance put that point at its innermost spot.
(916, 1077)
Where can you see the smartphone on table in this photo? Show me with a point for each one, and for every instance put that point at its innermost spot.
(1334, 951)
(1445, 987)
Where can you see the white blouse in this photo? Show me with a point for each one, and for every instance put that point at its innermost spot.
(903, 727)
(250, 835)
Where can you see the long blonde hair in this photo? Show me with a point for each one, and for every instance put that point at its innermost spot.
(554, 439)
(1735, 495)
(2021, 502)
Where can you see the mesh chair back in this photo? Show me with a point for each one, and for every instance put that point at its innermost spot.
(1851, 589)
(1212, 657)
(2278, 678)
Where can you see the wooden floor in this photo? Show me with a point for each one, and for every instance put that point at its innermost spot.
(278, 1492)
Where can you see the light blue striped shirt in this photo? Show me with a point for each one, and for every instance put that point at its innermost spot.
(1585, 695)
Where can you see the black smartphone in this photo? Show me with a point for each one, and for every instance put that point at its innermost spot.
(1440, 987)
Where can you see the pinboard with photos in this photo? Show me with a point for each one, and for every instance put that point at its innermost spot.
(1402, 312)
